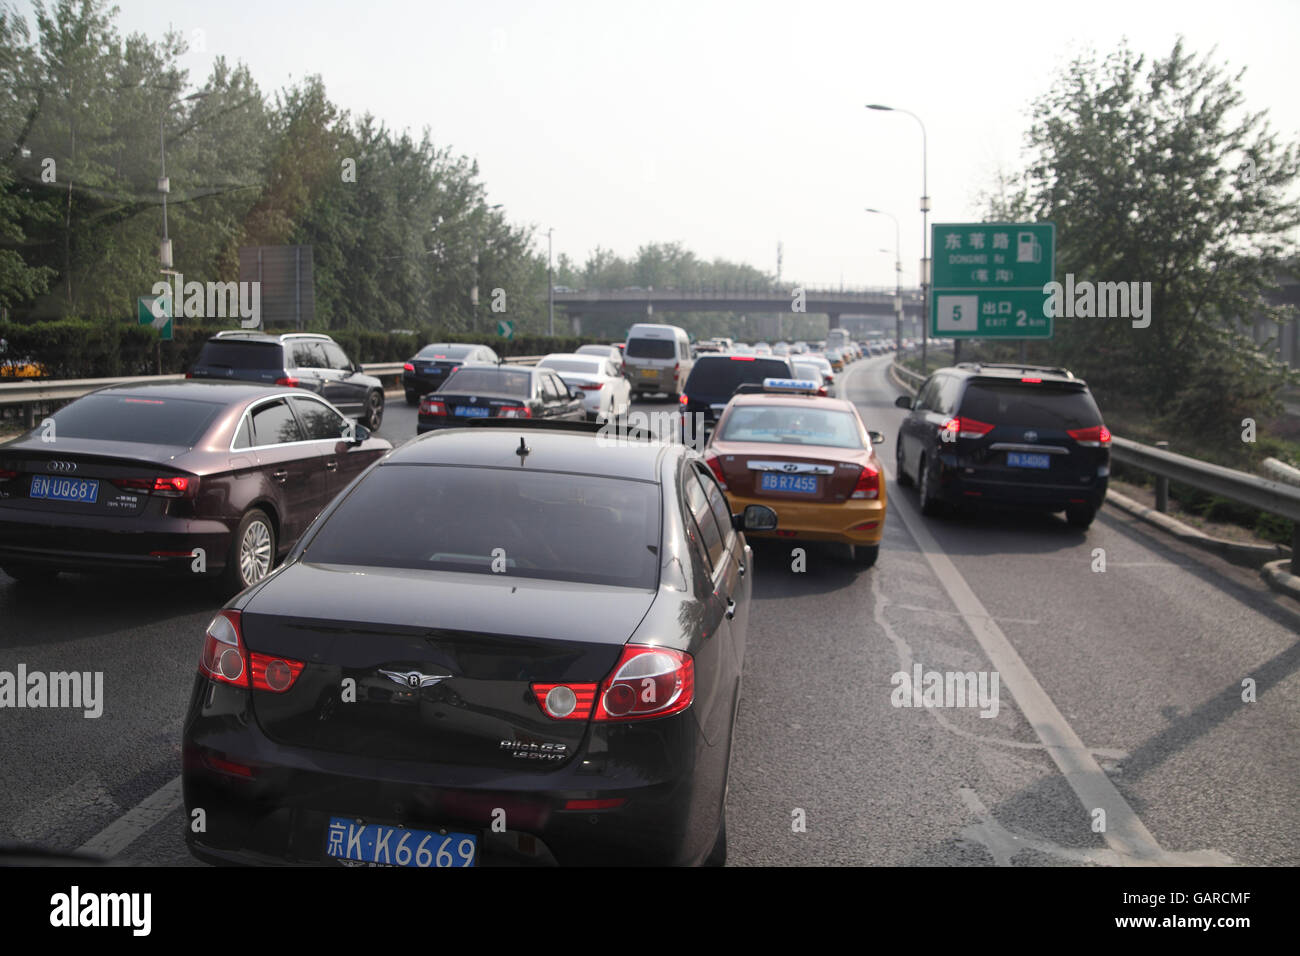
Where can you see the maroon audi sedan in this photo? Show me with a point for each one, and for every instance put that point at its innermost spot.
(196, 478)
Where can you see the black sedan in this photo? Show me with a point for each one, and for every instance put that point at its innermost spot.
(196, 478)
(503, 391)
(429, 367)
(503, 644)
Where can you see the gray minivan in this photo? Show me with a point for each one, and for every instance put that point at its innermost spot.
(658, 359)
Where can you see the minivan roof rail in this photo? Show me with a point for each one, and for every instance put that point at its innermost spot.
(1017, 366)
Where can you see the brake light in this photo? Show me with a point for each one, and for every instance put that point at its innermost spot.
(868, 485)
(288, 381)
(677, 370)
(514, 411)
(274, 674)
(1093, 437)
(743, 358)
(1032, 381)
(189, 374)
(715, 466)
(164, 486)
(822, 390)
(595, 387)
(966, 428)
(222, 659)
(683, 400)
(432, 406)
(408, 367)
(647, 682)
(565, 701)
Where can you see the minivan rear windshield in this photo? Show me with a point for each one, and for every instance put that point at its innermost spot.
(722, 376)
(558, 527)
(1029, 405)
(651, 348)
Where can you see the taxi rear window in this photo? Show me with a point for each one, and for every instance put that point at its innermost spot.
(792, 425)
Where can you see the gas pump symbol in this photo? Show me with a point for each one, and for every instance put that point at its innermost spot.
(1027, 248)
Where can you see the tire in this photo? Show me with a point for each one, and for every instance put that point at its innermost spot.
(252, 553)
(412, 398)
(864, 555)
(930, 505)
(900, 472)
(1080, 516)
(374, 414)
(31, 575)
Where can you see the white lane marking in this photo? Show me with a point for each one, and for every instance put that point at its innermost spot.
(125, 830)
(1125, 833)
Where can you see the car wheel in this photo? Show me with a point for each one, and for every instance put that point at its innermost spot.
(900, 472)
(374, 415)
(864, 555)
(929, 503)
(31, 574)
(412, 398)
(1080, 516)
(252, 552)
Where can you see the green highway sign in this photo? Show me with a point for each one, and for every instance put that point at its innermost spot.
(505, 329)
(156, 310)
(989, 278)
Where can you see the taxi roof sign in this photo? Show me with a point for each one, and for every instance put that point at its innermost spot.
(790, 385)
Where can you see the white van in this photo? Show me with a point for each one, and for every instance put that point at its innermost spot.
(658, 359)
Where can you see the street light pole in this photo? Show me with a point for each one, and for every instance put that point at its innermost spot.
(925, 226)
(550, 289)
(898, 281)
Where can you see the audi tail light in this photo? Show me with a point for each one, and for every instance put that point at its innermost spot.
(163, 486)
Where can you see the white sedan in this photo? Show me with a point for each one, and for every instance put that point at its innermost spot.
(605, 392)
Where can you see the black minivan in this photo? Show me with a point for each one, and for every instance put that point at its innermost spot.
(1024, 436)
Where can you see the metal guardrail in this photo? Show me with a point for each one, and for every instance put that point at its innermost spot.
(30, 394)
(1273, 497)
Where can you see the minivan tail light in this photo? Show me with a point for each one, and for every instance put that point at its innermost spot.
(408, 367)
(868, 485)
(1093, 437)
(647, 682)
(288, 381)
(966, 427)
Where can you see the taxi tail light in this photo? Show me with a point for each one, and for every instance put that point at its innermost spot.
(966, 428)
(868, 485)
(715, 465)
(432, 406)
(566, 701)
(1093, 437)
(647, 682)
(514, 411)
(408, 367)
(163, 486)
(287, 380)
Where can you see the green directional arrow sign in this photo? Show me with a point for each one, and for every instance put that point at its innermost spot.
(989, 278)
(156, 311)
(505, 329)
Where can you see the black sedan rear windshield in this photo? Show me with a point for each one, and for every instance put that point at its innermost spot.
(490, 381)
(444, 351)
(1029, 405)
(722, 376)
(136, 418)
(592, 530)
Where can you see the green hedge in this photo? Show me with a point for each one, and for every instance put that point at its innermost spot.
(75, 348)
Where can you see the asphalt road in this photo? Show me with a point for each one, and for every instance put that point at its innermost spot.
(1119, 690)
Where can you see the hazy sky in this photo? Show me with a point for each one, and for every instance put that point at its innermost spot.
(725, 126)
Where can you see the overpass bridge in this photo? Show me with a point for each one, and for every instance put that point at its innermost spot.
(833, 303)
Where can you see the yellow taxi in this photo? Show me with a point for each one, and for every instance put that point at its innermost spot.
(809, 458)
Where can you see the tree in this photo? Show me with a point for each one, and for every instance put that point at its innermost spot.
(1156, 173)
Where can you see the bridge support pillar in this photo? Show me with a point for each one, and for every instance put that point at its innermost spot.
(577, 323)
(834, 320)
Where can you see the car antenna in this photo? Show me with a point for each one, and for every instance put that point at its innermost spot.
(523, 450)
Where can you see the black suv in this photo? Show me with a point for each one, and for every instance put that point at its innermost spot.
(297, 359)
(715, 378)
(1021, 435)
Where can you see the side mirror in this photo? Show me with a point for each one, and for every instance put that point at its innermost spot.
(877, 438)
(359, 434)
(755, 518)
(903, 401)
